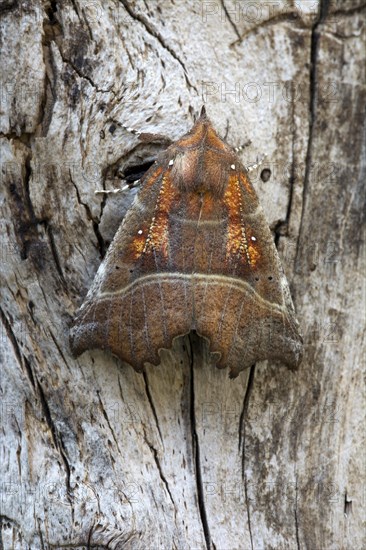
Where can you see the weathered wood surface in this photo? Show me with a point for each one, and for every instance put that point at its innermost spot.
(92, 453)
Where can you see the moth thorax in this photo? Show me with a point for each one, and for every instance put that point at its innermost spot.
(193, 173)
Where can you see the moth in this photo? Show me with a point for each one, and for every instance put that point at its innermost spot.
(193, 253)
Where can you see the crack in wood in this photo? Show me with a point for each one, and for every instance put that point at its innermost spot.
(95, 222)
(14, 343)
(104, 413)
(162, 476)
(314, 50)
(58, 443)
(242, 433)
(153, 32)
(149, 397)
(290, 17)
(196, 452)
(296, 517)
(55, 255)
(230, 21)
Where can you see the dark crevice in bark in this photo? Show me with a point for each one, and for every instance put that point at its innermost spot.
(55, 255)
(153, 32)
(47, 414)
(30, 308)
(7, 522)
(350, 11)
(245, 407)
(24, 137)
(296, 518)
(292, 178)
(162, 476)
(120, 390)
(100, 240)
(291, 17)
(83, 76)
(23, 362)
(133, 174)
(29, 372)
(104, 413)
(27, 177)
(25, 221)
(101, 243)
(313, 85)
(196, 454)
(48, 100)
(26, 224)
(347, 505)
(31, 219)
(51, 10)
(57, 441)
(58, 348)
(90, 534)
(90, 31)
(242, 434)
(76, 8)
(8, 5)
(19, 450)
(68, 474)
(103, 202)
(281, 228)
(148, 394)
(40, 535)
(230, 20)
(51, 28)
(12, 339)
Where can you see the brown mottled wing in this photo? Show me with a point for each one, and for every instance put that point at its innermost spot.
(194, 252)
(243, 304)
(135, 307)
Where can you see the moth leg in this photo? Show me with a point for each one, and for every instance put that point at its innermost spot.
(145, 137)
(257, 164)
(117, 190)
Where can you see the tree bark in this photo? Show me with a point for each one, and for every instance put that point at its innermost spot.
(93, 454)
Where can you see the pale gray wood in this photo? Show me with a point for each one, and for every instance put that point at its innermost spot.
(182, 457)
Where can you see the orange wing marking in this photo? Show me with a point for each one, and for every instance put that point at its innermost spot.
(246, 183)
(138, 243)
(237, 243)
(157, 237)
(244, 243)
